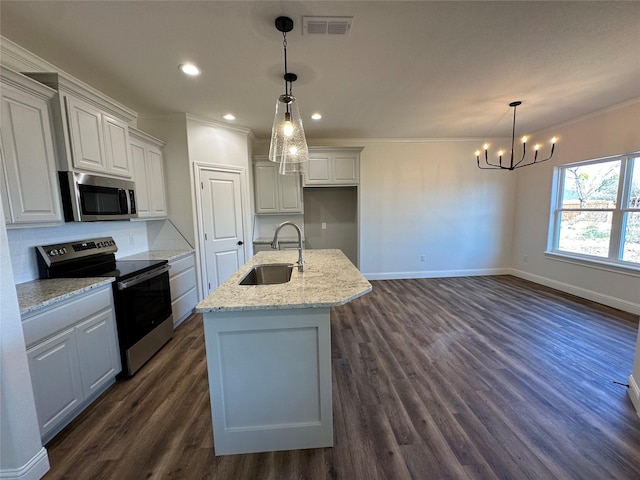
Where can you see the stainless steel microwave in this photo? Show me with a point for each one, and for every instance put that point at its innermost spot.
(92, 198)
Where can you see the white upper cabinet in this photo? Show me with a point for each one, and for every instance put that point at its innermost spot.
(28, 177)
(333, 166)
(116, 142)
(275, 193)
(148, 168)
(92, 131)
(87, 142)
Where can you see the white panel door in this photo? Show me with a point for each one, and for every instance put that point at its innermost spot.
(221, 200)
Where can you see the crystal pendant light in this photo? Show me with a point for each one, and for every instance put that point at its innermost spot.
(288, 142)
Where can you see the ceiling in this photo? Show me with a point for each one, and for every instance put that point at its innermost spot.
(417, 69)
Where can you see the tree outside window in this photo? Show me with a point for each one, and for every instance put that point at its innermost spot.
(597, 210)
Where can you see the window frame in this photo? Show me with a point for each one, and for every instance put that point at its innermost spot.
(620, 214)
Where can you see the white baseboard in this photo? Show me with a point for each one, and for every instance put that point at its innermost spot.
(608, 300)
(634, 394)
(34, 469)
(437, 274)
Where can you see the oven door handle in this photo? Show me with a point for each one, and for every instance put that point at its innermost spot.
(143, 277)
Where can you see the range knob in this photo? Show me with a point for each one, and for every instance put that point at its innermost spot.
(62, 251)
(52, 253)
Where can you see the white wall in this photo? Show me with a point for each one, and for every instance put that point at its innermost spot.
(427, 197)
(191, 140)
(21, 454)
(610, 132)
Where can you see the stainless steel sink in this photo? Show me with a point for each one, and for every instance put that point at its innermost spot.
(268, 274)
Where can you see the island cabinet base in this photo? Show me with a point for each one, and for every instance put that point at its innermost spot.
(269, 379)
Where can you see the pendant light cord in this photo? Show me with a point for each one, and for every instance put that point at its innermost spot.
(286, 71)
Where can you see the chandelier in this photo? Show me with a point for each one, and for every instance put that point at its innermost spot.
(487, 165)
(288, 143)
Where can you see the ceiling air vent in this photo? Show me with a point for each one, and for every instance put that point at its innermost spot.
(326, 25)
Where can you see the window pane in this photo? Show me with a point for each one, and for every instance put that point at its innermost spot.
(591, 186)
(634, 197)
(631, 248)
(587, 233)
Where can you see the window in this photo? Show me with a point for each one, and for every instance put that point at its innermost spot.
(596, 211)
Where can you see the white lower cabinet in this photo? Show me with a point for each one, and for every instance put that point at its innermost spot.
(73, 356)
(182, 280)
(99, 358)
(55, 375)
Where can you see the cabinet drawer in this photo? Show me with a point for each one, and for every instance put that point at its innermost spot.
(183, 305)
(47, 322)
(183, 282)
(181, 265)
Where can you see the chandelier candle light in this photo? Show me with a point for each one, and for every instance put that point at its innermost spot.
(288, 143)
(487, 165)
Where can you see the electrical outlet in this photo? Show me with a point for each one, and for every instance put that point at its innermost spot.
(525, 258)
(324, 226)
(423, 258)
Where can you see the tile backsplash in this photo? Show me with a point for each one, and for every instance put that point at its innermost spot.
(131, 237)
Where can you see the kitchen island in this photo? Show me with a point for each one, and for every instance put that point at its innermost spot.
(269, 353)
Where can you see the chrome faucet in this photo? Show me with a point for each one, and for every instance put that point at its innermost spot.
(274, 243)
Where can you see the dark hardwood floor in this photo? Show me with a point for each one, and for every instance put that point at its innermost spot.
(453, 378)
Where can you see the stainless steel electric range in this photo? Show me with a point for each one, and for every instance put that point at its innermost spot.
(141, 292)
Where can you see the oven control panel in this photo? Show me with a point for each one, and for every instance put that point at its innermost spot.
(72, 250)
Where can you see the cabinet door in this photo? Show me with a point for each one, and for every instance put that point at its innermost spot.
(318, 172)
(116, 142)
(138, 159)
(266, 187)
(4, 189)
(155, 180)
(31, 186)
(289, 193)
(97, 351)
(55, 375)
(345, 168)
(86, 131)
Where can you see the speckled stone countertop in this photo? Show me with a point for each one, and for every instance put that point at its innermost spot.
(170, 255)
(37, 294)
(329, 280)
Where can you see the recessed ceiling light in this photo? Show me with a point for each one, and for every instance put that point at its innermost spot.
(316, 116)
(189, 69)
(229, 116)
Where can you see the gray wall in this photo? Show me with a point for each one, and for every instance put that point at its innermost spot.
(337, 207)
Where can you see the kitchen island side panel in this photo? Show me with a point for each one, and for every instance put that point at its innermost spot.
(270, 379)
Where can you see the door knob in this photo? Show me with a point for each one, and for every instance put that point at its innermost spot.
(240, 242)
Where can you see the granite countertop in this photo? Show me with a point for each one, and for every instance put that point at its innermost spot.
(37, 294)
(170, 255)
(329, 280)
